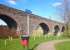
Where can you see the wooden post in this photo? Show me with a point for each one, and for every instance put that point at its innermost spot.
(5, 43)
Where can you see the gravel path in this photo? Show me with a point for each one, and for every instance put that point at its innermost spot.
(49, 45)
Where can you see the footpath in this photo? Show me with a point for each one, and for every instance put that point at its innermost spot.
(49, 45)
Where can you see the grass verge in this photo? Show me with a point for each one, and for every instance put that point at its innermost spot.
(33, 42)
(63, 45)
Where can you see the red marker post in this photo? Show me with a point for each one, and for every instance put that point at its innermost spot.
(25, 41)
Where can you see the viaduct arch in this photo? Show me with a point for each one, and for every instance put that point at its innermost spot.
(17, 19)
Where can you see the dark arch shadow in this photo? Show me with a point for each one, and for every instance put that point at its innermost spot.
(45, 28)
(11, 23)
(10, 29)
(63, 29)
(56, 29)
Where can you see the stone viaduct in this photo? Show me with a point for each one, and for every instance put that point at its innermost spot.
(17, 19)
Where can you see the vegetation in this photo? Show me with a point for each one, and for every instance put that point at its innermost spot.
(5, 32)
(34, 41)
(67, 30)
(63, 46)
(10, 44)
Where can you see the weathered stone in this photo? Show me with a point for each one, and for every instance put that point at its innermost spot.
(34, 20)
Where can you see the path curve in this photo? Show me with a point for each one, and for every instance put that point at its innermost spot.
(49, 45)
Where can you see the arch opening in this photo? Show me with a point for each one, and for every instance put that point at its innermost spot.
(63, 29)
(2, 23)
(9, 21)
(8, 28)
(56, 29)
(45, 28)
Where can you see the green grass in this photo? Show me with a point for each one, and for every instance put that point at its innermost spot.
(10, 45)
(63, 46)
(15, 43)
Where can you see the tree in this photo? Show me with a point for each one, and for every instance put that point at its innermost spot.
(64, 11)
(66, 17)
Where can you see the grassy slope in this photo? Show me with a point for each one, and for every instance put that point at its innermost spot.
(63, 46)
(11, 45)
(15, 43)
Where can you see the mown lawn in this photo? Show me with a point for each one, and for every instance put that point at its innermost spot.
(33, 42)
(63, 46)
(10, 45)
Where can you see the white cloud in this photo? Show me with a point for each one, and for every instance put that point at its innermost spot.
(56, 4)
(12, 2)
(34, 11)
(2, 22)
